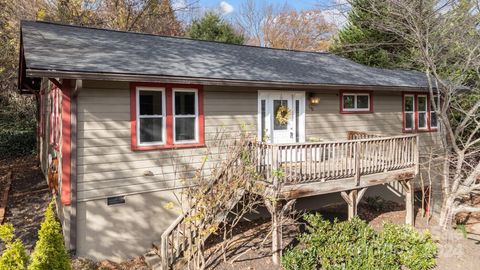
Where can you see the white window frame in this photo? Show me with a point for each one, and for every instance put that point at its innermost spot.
(426, 112)
(163, 116)
(174, 116)
(414, 120)
(355, 109)
(436, 99)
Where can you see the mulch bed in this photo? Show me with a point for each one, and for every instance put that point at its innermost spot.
(27, 199)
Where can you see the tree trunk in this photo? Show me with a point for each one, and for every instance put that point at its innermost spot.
(446, 215)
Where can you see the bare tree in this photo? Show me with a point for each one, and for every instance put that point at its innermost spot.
(446, 38)
(279, 26)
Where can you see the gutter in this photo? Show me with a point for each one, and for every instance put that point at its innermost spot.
(204, 81)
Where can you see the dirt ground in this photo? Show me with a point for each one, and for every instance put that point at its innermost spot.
(27, 199)
(251, 250)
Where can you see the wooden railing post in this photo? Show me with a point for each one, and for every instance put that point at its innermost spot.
(357, 162)
(164, 252)
(416, 155)
(275, 167)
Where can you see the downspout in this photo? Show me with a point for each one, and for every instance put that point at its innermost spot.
(73, 172)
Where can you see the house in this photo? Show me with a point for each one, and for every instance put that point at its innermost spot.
(119, 110)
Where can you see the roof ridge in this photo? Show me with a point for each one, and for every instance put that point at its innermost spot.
(172, 37)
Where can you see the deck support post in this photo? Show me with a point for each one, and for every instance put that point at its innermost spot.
(409, 201)
(275, 208)
(353, 198)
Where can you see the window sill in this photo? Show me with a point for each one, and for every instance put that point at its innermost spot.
(355, 112)
(161, 147)
(421, 131)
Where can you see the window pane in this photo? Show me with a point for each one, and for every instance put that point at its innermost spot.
(422, 120)
(422, 104)
(409, 120)
(151, 130)
(184, 103)
(276, 105)
(362, 102)
(297, 120)
(409, 103)
(263, 116)
(435, 99)
(185, 129)
(348, 102)
(150, 103)
(433, 119)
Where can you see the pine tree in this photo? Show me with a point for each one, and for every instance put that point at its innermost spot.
(212, 27)
(50, 252)
(364, 43)
(14, 257)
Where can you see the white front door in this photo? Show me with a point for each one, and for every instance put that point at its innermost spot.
(289, 127)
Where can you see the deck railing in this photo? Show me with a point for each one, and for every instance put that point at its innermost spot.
(318, 162)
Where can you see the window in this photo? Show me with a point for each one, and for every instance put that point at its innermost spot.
(418, 113)
(409, 111)
(151, 116)
(422, 111)
(164, 116)
(357, 102)
(54, 126)
(433, 113)
(185, 115)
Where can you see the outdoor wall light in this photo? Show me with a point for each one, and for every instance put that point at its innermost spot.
(314, 100)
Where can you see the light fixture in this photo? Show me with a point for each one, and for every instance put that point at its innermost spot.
(313, 99)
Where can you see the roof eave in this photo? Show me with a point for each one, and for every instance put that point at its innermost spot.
(204, 81)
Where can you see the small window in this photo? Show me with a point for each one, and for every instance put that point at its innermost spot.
(409, 110)
(263, 110)
(276, 124)
(150, 119)
(185, 115)
(422, 112)
(433, 113)
(55, 125)
(356, 102)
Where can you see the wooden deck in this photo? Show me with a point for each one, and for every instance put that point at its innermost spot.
(308, 169)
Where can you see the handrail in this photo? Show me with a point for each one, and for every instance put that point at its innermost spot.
(181, 237)
(323, 161)
(340, 141)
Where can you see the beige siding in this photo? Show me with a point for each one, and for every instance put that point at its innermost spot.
(106, 164)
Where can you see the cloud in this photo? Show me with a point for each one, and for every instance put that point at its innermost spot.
(179, 4)
(226, 7)
(335, 16)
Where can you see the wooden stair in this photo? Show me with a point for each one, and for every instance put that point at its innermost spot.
(170, 250)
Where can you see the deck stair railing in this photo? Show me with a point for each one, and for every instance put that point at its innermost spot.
(323, 161)
(179, 238)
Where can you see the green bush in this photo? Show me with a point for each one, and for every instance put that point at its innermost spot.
(15, 143)
(415, 250)
(14, 256)
(355, 245)
(50, 252)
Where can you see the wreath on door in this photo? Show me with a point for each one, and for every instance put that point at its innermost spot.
(283, 115)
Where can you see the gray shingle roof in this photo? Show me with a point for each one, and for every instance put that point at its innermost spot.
(49, 46)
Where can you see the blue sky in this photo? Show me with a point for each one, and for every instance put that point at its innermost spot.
(298, 4)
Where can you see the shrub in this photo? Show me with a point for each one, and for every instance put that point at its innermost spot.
(415, 250)
(14, 256)
(50, 252)
(355, 245)
(15, 143)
